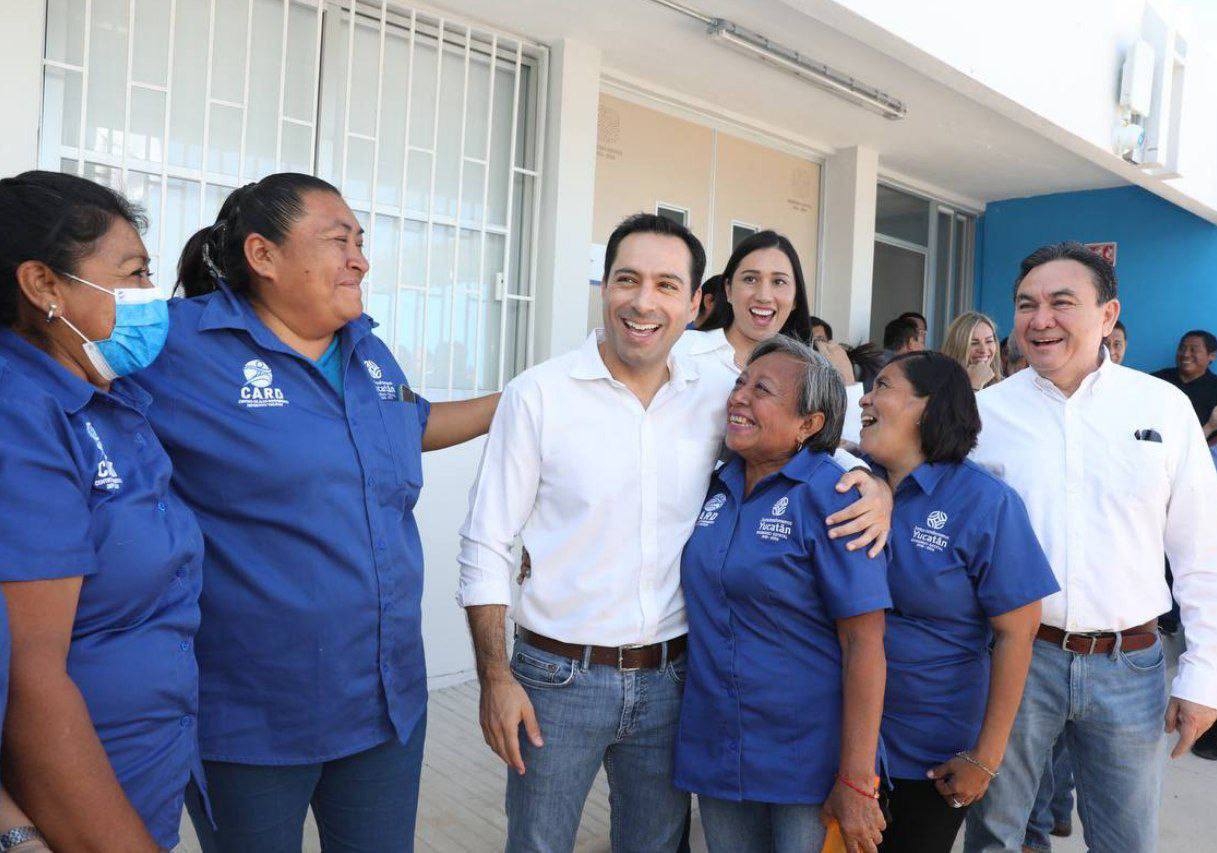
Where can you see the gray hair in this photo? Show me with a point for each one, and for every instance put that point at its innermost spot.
(820, 389)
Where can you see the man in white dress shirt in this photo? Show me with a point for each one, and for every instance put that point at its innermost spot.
(600, 460)
(1108, 462)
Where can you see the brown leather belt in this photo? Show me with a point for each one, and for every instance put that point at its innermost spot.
(1100, 642)
(623, 658)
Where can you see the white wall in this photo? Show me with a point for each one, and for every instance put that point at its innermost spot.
(1052, 66)
(22, 24)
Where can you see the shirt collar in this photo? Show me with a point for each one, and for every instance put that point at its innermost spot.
(800, 468)
(70, 391)
(927, 475)
(589, 364)
(1089, 382)
(227, 309)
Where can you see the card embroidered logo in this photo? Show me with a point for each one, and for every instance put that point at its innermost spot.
(775, 528)
(107, 477)
(929, 538)
(259, 391)
(384, 389)
(709, 512)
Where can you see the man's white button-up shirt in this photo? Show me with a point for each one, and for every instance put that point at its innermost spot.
(1114, 476)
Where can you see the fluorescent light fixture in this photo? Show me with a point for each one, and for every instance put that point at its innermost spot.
(816, 73)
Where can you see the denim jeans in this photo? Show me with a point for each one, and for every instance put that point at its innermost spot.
(1054, 802)
(363, 803)
(749, 827)
(593, 715)
(1110, 708)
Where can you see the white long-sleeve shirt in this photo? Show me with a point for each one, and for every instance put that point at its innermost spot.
(1107, 505)
(603, 492)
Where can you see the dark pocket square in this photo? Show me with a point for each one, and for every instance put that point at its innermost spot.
(1147, 435)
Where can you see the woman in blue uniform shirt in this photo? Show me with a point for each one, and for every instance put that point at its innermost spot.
(780, 718)
(965, 570)
(297, 440)
(99, 559)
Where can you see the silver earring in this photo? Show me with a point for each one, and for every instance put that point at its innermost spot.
(50, 312)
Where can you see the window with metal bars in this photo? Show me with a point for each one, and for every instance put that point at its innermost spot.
(431, 128)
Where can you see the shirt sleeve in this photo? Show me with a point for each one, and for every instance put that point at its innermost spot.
(424, 413)
(502, 498)
(1191, 547)
(849, 582)
(851, 428)
(45, 519)
(1009, 567)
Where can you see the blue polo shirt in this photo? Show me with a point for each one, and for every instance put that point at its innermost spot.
(5, 646)
(85, 489)
(962, 551)
(764, 587)
(311, 643)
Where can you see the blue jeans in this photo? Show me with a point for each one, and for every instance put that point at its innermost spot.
(1054, 802)
(1110, 708)
(363, 803)
(749, 827)
(593, 715)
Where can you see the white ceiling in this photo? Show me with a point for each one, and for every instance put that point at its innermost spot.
(947, 140)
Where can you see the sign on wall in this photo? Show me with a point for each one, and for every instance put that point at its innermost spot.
(1106, 250)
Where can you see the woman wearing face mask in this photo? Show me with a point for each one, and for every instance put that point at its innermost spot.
(100, 560)
(972, 341)
(297, 440)
(965, 573)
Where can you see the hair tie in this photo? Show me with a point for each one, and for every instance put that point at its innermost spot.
(216, 233)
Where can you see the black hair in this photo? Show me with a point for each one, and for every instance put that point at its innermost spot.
(56, 219)
(1210, 342)
(715, 287)
(1120, 326)
(951, 421)
(814, 321)
(649, 223)
(1102, 273)
(899, 332)
(268, 207)
(914, 315)
(798, 324)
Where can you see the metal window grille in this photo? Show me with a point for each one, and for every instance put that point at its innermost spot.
(431, 127)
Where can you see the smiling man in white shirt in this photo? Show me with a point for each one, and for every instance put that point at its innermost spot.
(1107, 460)
(600, 460)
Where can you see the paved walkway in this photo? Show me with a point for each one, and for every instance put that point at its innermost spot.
(461, 803)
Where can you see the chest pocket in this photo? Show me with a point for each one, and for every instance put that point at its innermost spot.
(404, 439)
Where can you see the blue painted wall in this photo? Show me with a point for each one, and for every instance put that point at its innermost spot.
(1166, 261)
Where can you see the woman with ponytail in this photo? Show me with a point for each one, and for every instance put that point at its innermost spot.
(297, 440)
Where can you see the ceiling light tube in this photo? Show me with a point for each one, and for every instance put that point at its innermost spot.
(816, 73)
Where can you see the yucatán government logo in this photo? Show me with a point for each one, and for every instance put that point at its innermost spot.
(775, 528)
(709, 512)
(779, 508)
(259, 391)
(385, 389)
(930, 537)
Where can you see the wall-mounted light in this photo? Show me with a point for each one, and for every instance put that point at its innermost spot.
(816, 73)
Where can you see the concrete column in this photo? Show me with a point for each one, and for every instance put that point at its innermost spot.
(566, 201)
(851, 179)
(22, 28)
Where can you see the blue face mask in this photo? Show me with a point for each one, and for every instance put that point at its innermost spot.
(141, 325)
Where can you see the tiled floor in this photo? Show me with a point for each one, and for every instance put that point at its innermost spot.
(461, 803)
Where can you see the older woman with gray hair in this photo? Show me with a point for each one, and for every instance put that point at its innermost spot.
(780, 719)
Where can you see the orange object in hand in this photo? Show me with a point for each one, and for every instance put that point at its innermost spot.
(833, 841)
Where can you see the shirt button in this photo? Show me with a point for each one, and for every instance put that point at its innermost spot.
(184, 722)
(380, 544)
(371, 481)
(139, 438)
(160, 506)
(184, 645)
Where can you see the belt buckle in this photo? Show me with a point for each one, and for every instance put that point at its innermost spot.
(1094, 641)
(621, 650)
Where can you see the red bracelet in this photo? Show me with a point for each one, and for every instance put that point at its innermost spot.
(874, 795)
